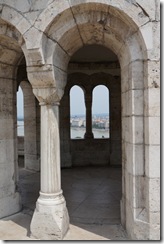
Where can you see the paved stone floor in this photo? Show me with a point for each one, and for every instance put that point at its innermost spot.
(93, 200)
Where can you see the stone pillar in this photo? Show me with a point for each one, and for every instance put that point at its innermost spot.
(66, 160)
(115, 123)
(50, 220)
(88, 105)
(10, 201)
(31, 153)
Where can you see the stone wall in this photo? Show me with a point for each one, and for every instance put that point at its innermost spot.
(131, 29)
(76, 152)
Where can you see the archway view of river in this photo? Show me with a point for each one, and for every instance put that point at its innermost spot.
(78, 133)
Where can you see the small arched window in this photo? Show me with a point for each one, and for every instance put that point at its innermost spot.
(77, 113)
(100, 112)
(20, 113)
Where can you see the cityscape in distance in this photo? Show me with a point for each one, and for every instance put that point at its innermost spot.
(100, 126)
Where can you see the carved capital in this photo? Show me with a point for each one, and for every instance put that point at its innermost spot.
(49, 95)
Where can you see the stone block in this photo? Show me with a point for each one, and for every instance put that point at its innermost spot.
(126, 129)
(110, 42)
(148, 7)
(92, 34)
(10, 205)
(6, 147)
(136, 74)
(17, 4)
(49, 14)
(71, 41)
(6, 71)
(125, 79)
(11, 15)
(154, 218)
(154, 52)
(124, 55)
(136, 129)
(152, 130)
(147, 35)
(139, 192)
(129, 188)
(125, 103)
(7, 129)
(137, 102)
(134, 159)
(61, 58)
(134, 47)
(8, 56)
(155, 234)
(64, 23)
(152, 102)
(152, 74)
(34, 34)
(153, 194)
(38, 5)
(129, 157)
(7, 174)
(50, 221)
(152, 161)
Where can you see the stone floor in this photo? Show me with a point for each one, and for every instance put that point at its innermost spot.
(93, 201)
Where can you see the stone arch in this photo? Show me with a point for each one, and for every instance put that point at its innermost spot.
(15, 18)
(108, 25)
(63, 20)
(117, 32)
(11, 54)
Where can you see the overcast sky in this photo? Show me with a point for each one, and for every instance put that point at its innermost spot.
(100, 101)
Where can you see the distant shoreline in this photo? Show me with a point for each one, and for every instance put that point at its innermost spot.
(84, 129)
(20, 119)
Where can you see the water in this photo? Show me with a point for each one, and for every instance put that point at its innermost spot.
(79, 132)
(20, 128)
(75, 132)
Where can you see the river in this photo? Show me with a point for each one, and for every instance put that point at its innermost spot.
(75, 132)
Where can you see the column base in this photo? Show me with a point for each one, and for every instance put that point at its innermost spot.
(88, 135)
(50, 220)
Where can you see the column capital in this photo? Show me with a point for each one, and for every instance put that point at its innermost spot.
(48, 95)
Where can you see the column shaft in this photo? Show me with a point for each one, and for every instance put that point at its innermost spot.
(50, 150)
(88, 104)
(50, 220)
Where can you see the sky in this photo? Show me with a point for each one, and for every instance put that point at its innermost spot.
(100, 102)
(20, 103)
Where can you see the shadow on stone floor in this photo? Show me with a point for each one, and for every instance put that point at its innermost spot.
(93, 200)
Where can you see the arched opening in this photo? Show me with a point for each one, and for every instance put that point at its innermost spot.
(121, 27)
(77, 113)
(92, 176)
(111, 26)
(101, 112)
(29, 157)
(20, 127)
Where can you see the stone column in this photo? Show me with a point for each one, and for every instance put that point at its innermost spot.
(88, 105)
(50, 220)
(31, 153)
(10, 200)
(64, 115)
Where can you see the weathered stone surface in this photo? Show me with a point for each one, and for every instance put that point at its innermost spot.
(50, 222)
(46, 34)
